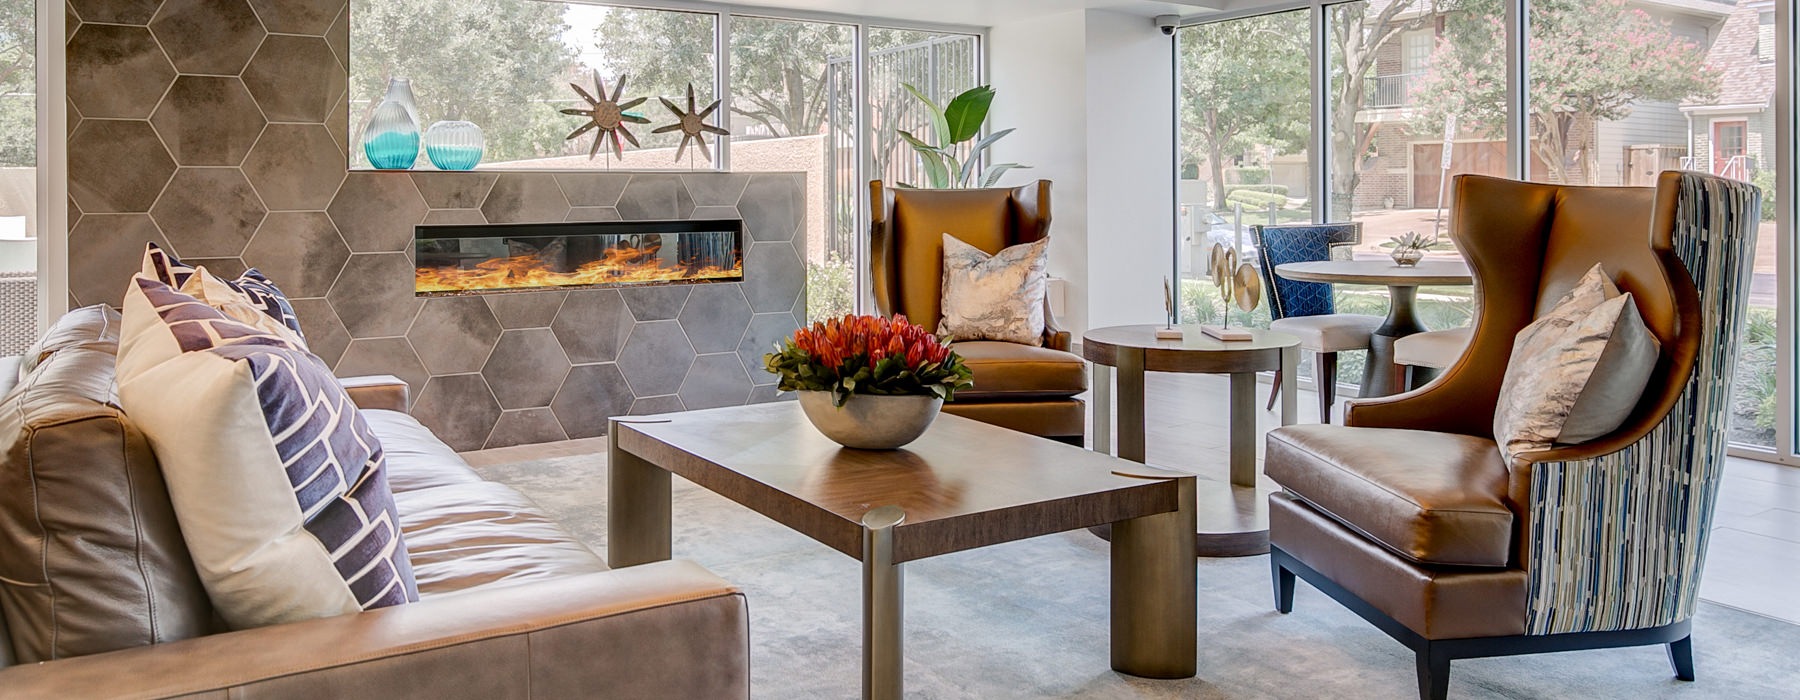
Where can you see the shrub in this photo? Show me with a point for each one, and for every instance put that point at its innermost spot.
(1257, 200)
(830, 288)
(1248, 176)
(1269, 189)
(1765, 179)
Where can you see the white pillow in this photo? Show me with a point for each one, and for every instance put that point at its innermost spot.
(997, 297)
(1576, 373)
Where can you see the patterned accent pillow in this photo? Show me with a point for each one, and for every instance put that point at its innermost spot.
(1576, 373)
(994, 297)
(255, 290)
(278, 484)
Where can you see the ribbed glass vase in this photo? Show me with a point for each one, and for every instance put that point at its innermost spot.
(454, 145)
(391, 141)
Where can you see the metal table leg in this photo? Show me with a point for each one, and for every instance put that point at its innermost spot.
(1102, 408)
(637, 507)
(1154, 619)
(883, 661)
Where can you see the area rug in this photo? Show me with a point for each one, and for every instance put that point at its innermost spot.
(1029, 619)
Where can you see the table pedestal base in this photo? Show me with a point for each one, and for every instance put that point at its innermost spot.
(1233, 521)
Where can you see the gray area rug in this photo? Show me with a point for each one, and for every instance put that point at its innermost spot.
(1029, 619)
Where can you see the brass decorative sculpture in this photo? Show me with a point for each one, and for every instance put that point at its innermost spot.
(1238, 284)
(606, 115)
(692, 124)
(1168, 331)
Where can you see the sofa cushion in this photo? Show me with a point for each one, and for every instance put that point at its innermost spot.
(1434, 498)
(91, 558)
(278, 483)
(78, 327)
(416, 459)
(1012, 371)
(465, 537)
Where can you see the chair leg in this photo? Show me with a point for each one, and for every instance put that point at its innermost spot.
(1274, 392)
(1284, 587)
(1434, 673)
(1398, 381)
(1325, 383)
(1681, 656)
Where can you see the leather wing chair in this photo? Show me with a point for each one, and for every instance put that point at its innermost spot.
(1409, 516)
(1023, 387)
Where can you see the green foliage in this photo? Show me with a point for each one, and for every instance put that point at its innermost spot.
(952, 162)
(830, 288)
(1764, 179)
(1257, 200)
(18, 83)
(868, 355)
(1753, 403)
(1243, 90)
(1271, 189)
(497, 63)
(1249, 176)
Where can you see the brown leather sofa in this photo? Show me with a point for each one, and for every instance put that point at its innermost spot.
(1410, 516)
(1026, 388)
(511, 605)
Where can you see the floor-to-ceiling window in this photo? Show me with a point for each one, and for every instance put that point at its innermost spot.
(1414, 92)
(18, 175)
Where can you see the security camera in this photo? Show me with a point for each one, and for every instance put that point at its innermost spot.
(1168, 23)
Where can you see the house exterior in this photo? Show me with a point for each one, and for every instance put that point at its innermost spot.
(1405, 170)
(1734, 134)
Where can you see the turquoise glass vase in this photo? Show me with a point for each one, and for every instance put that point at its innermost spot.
(454, 145)
(391, 140)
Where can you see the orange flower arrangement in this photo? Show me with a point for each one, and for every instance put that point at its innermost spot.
(868, 355)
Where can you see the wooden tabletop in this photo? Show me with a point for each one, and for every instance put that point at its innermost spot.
(1194, 352)
(1378, 272)
(963, 485)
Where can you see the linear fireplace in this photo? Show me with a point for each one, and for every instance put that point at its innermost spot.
(481, 258)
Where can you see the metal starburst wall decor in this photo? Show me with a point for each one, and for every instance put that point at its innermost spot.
(607, 116)
(692, 124)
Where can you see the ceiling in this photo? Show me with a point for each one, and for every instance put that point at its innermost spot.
(986, 13)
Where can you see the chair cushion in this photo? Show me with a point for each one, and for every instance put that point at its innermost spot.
(466, 537)
(1006, 371)
(1432, 498)
(416, 459)
(1329, 332)
(1436, 349)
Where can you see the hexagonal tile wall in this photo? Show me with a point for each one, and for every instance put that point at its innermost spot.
(300, 250)
(112, 246)
(526, 368)
(215, 210)
(714, 381)
(117, 166)
(459, 409)
(213, 37)
(592, 394)
(295, 78)
(656, 358)
(525, 197)
(454, 334)
(295, 166)
(208, 120)
(376, 212)
(592, 325)
(374, 295)
(526, 426)
(366, 356)
(116, 72)
(298, 16)
(715, 317)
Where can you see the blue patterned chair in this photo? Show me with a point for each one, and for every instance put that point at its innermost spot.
(1409, 516)
(1305, 309)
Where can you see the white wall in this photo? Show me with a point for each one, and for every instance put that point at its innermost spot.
(1090, 93)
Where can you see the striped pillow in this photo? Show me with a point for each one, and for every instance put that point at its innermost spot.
(278, 484)
(256, 290)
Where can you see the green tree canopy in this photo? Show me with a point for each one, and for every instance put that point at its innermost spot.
(18, 83)
(1243, 86)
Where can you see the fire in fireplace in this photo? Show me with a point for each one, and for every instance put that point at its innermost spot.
(478, 258)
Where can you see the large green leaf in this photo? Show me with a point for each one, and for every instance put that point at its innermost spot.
(939, 123)
(968, 169)
(931, 159)
(993, 173)
(966, 112)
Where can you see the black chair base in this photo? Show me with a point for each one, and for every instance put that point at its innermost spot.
(1434, 655)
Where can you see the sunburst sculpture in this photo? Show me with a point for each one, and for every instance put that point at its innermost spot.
(692, 124)
(607, 116)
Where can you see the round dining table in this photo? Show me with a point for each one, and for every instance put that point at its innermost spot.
(1403, 284)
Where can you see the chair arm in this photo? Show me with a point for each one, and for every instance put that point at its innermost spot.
(1055, 337)
(383, 391)
(668, 629)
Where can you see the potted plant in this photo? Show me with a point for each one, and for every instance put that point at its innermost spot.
(867, 381)
(952, 163)
(1409, 248)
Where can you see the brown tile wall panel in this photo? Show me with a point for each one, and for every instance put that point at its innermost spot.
(227, 143)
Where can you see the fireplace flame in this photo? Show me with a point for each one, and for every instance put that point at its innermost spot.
(617, 266)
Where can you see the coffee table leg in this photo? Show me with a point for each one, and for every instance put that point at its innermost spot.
(1131, 404)
(1102, 408)
(1290, 390)
(637, 507)
(883, 662)
(1243, 428)
(1154, 622)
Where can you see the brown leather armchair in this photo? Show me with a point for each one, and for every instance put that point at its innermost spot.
(1410, 516)
(1022, 387)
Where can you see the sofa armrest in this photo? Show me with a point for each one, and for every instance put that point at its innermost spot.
(383, 391)
(668, 629)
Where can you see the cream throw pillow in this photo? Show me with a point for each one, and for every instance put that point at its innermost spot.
(1577, 372)
(997, 297)
(212, 291)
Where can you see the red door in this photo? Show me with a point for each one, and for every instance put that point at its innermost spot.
(1728, 138)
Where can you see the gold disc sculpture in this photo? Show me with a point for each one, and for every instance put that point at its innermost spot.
(1239, 285)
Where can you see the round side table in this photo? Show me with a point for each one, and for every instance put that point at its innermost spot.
(1403, 287)
(1233, 516)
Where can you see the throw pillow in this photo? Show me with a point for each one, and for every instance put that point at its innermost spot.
(1577, 372)
(208, 289)
(994, 297)
(278, 484)
(253, 289)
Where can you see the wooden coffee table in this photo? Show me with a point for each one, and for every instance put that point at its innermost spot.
(963, 485)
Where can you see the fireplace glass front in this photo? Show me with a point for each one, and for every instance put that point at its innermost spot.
(481, 258)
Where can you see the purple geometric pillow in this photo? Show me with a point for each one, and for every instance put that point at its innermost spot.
(256, 287)
(278, 483)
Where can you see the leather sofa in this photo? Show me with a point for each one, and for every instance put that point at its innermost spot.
(511, 605)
